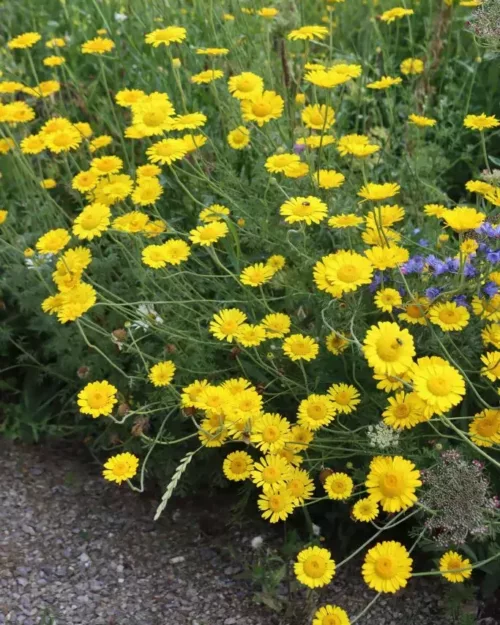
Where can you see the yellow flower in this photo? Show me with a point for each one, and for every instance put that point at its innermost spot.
(488, 309)
(44, 89)
(342, 272)
(484, 429)
(132, 222)
(388, 348)
(97, 399)
(54, 61)
(397, 13)
(491, 335)
(167, 151)
(421, 120)
(308, 33)
(300, 486)
(75, 302)
(270, 433)
(226, 323)
(338, 486)
(454, 567)
(435, 210)
(493, 196)
(329, 179)
(191, 394)
(268, 12)
(121, 467)
(92, 221)
(188, 121)
(256, 275)
(153, 115)
(271, 473)
(147, 192)
(16, 113)
(166, 36)
(463, 218)
(405, 410)
(387, 257)
(207, 76)
(154, 256)
(262, 108)
(100, 142)
(314, 567)
(129, 97)
(279, 163)
(387, 299)
(276, 325)
(387, 567)
(318, 117)
(26, 40)
(33, 144)
(344, 397)
(276, 505)
(276, 262)
(3, 216)
(245, 86)
(411, 66)
(385, 216)
(331, 614)
(365, 510)
(481, 122)
(316, 411)
(356, 145)
(336, 75)
(48, 183)
(392, 482)
(491, 369)
(213, 51)
(251, 335)
(416, 312)
(449, 316)
(438, 384)
(376, 192)
(345, 221)
(237, 466)
(297, 170)
(385, 82)
(162, 373)
(53, 241)
(56, 42)
(310, 210)
(98, 45)
(238, 138)
(336, 343)
(300, 347)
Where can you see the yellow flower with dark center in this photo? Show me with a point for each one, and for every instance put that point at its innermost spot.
(207, 76)
(338, 486)
(276, 505)
(271, 473)
(438, 384)
(481, 122)
(344, 397)
(484, 429)
(385, 82)
(318, 117)
(454, 567)
(308, 33)
(276, 325)
(392, 482)
(98, 45)
(388, 348)
(310, 210)
(26, 40)
(166, 36)
(394, 14)
(356, 145)
(336, 343)
(329, 179)
(316, 411)
(245, 86)
(405, 410)
(449, 316)
(330, 614)
(300, 347)
(376, 192)
(121, 467)
(162, 373)
(226, 323)
(238, 138)
(276, 262)
(387, 299)
(415, 312)
(237, 466)
(365, 510)
(387, 567)
(167, 151)
(314, 567)
(421, 121)
(97, 399)
(250, 335)
(411, 66)
(262, 108)
(53, 241)
(257, 274)
(271, 433)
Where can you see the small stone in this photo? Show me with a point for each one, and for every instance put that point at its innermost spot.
(27, 529)
(177, 559)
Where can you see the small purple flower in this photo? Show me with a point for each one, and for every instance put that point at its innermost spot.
(423, 242)
(414, 265)
(416, 230)
(375, 283)
(460, 300)
(469, 271)
(490, 288)
(493, 257)
(298, 148)
(432, 292)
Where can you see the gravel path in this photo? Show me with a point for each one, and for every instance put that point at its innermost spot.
(77, 551)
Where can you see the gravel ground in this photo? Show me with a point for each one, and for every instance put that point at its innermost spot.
(75, 550)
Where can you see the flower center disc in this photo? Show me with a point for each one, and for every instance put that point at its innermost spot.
(391, 485)
(384, 567)
(314, 567)
(438, 386)
(348, 273)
